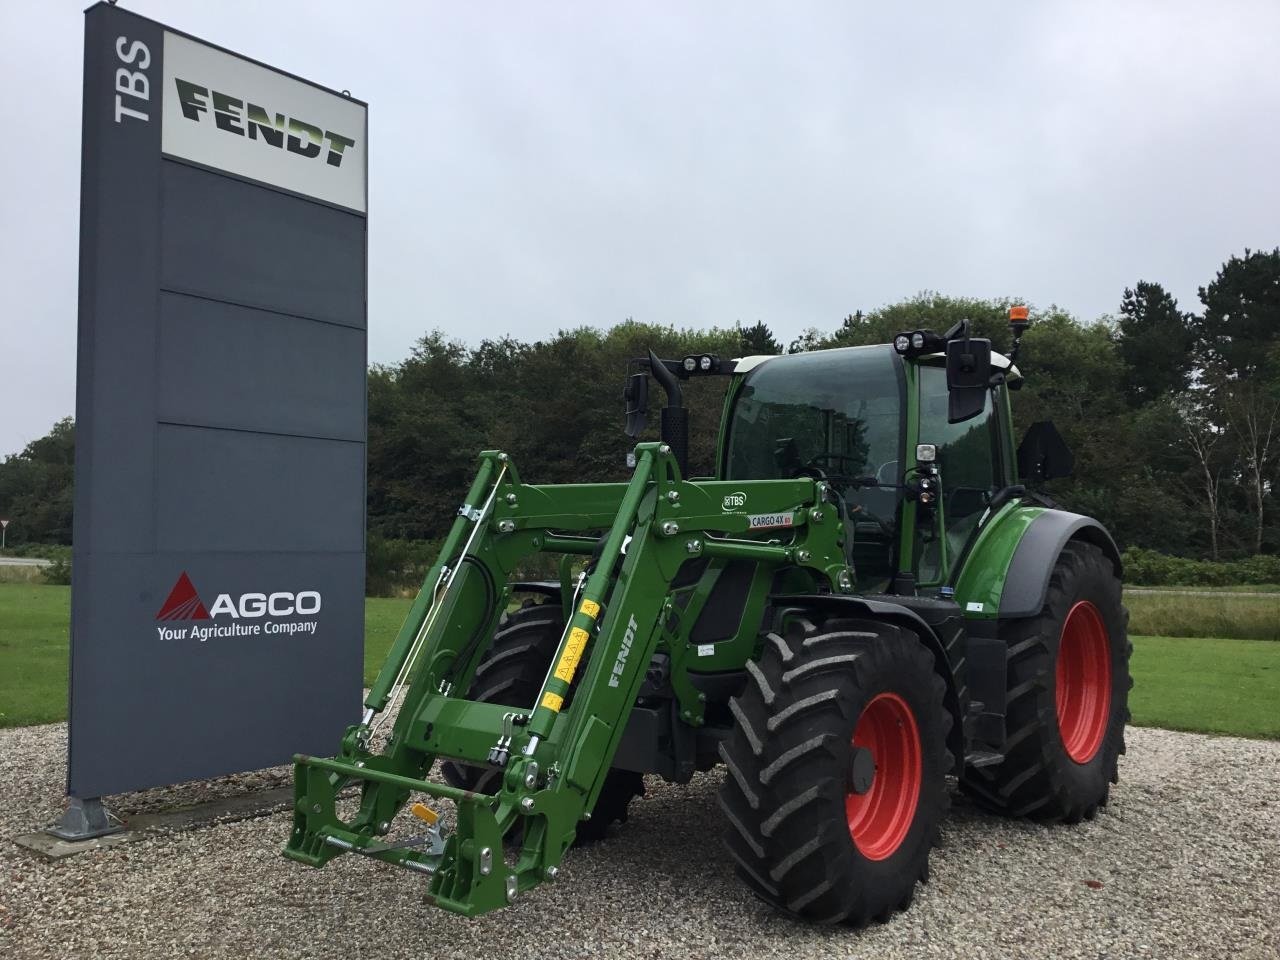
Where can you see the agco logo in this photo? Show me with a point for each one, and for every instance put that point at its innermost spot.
(184, 603)
(734, 501)
(245, 119)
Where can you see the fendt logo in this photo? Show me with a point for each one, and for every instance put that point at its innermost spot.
(733, 501)
(246, 119)
(184, 603)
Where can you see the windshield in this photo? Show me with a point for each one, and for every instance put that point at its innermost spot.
(833, 414)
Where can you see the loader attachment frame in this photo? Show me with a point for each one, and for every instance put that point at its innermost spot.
(554, 753)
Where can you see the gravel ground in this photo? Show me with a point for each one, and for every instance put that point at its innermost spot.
(1185, 862)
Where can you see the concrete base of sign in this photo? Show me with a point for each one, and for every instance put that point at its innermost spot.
(85, 819)
(52, 845)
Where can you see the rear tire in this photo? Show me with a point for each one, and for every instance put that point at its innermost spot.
(821, 706)
(1068, 693)
(511, 674)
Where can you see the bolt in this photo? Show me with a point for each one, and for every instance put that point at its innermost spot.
(586, 816)
(384, 826)
(531, 774)
(503, 457)
(511, 499)
(513, 887)
(664, 449)
(506, 526)
(315, 808)
(816, 515)
(694, 546)
(804, 556)
(673, 496)
(553, 872)
(527, 804)
(670, 528)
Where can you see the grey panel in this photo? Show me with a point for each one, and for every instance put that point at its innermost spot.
(206, 445)
(256, 492)
(164, 710)
(231, 240)
(259, 370)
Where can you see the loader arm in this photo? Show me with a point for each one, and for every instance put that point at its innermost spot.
(554, 753)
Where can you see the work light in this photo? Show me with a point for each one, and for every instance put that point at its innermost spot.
(926, 452)
(691, 364)
(902, 343)
(705, 364)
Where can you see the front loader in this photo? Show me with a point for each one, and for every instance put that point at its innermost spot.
(864, 601)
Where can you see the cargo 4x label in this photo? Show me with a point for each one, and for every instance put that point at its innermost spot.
(764, 521)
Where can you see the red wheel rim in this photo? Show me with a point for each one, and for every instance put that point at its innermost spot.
(1083, 685)
(880, 818)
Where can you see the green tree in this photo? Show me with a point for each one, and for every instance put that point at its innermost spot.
(36, 490)
(1156, 342)
(758, 340)
(1240, 327)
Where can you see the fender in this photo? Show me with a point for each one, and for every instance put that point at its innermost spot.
(838, 604)
(1026, 582)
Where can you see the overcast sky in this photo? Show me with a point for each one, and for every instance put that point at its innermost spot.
(535, 166)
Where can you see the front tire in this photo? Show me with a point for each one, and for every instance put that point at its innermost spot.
(837, 768)
(1068, 696)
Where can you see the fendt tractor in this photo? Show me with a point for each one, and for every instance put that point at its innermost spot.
(865, 602)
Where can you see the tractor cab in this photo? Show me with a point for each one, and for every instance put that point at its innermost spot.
(913, 447)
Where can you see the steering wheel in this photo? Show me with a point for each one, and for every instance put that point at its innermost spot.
(811, 469)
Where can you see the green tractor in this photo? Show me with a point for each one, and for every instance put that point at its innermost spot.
(863, 602)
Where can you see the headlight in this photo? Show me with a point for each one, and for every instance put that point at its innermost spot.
(926, 453)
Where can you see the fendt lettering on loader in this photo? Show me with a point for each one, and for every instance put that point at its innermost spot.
(864, 601)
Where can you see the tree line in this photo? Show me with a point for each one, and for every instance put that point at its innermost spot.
(1173, 414)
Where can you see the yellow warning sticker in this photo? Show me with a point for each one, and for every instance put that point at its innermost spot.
(590, 608)
(552, 701)
(572, 654)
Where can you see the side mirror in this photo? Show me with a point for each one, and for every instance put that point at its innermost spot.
(968, 378)
(636, 395)
(1043, 454)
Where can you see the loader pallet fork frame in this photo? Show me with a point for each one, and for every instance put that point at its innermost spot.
(554, 759)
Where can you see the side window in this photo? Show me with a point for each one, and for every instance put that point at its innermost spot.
(968, 463)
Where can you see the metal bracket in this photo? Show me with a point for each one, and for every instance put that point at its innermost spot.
(84, 819)
(471, 513)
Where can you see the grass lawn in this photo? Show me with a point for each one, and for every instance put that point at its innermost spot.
(1207, 685)
(1221, 613)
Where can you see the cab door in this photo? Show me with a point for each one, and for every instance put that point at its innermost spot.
(972, 468)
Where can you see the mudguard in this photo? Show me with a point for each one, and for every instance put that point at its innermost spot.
(1027, 581)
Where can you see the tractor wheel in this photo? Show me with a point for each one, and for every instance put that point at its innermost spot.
(511, 673)
(1068, 677)
(837, 770)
